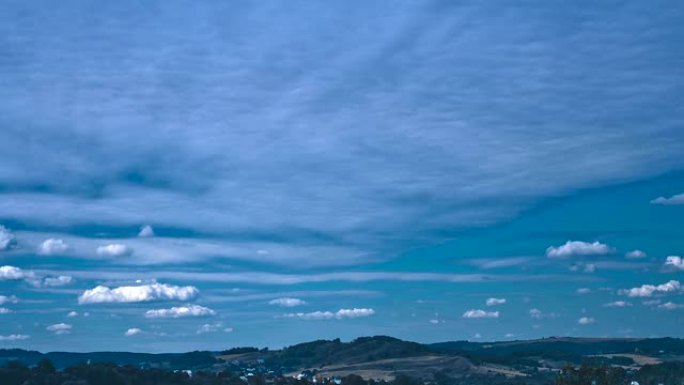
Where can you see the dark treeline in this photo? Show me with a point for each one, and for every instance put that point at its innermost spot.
(667, 373)
(45, 373)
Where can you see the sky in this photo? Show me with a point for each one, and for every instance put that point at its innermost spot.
(179, 175)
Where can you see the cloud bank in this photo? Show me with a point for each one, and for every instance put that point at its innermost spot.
(340, 314)
(142, 293)
(577, 248)
(180, 311)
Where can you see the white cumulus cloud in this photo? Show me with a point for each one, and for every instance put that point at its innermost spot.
(635, 254)
(146, 231)
(114, 250)
(52, 246)
(14, 337)
(142, 293)
(538, 314)
(583, 290)
(72, 314)
(8, 299)
(11, 273)
(495, 301)
(617, 304)
(132, 332)
(4, 310)
(675, 262)
(478, 313)
(212, 328)
(6, 238)
(649, 290)
(60, 328)
(577, 248)
(670, 306)
(61, 280)
(586, 321)
(340, 314)
(180, 311)
(287, 302)
(673, 200)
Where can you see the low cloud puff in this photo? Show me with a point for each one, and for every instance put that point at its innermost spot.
(495, 301)
(8, 299)
(6, 238)
(180, 311)
(61, 280)
(649, 290)
(478, 313)
(132, 332)
(670, 306)
(538, 314)
(11, 273)
(15, 337)
(60, 328)
(617, 304)
(340, 314)
(52, 247)
(674, 262)
(114, 250)
(577, 248)
(673, 200)
(636, 254)
(146, 231)
(142, 293)
(586, 321)
(287, 302)
(213, 328)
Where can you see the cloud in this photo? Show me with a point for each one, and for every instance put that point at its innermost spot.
(60, 328)
(180, 311)
(6, 238)
(477, 313)
(114, 250)
(675, 262)
(11, 273)
(636, 254)
(4, 310)
(673, 200)
(287, 302)
(340, 314)
(8, 299)
(61, 280)
(132, 332)
(72, 314)
(670, 306)
(142, 293)
(583, 290)
(586, 321)
(617, 304)
(213, 328)
(15, 337)
(577, 248)
(538, 314)
(52, 247)
(495, 301)
(146, 232)
(649, 290)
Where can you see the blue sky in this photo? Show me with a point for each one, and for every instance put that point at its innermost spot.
(179, 176)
